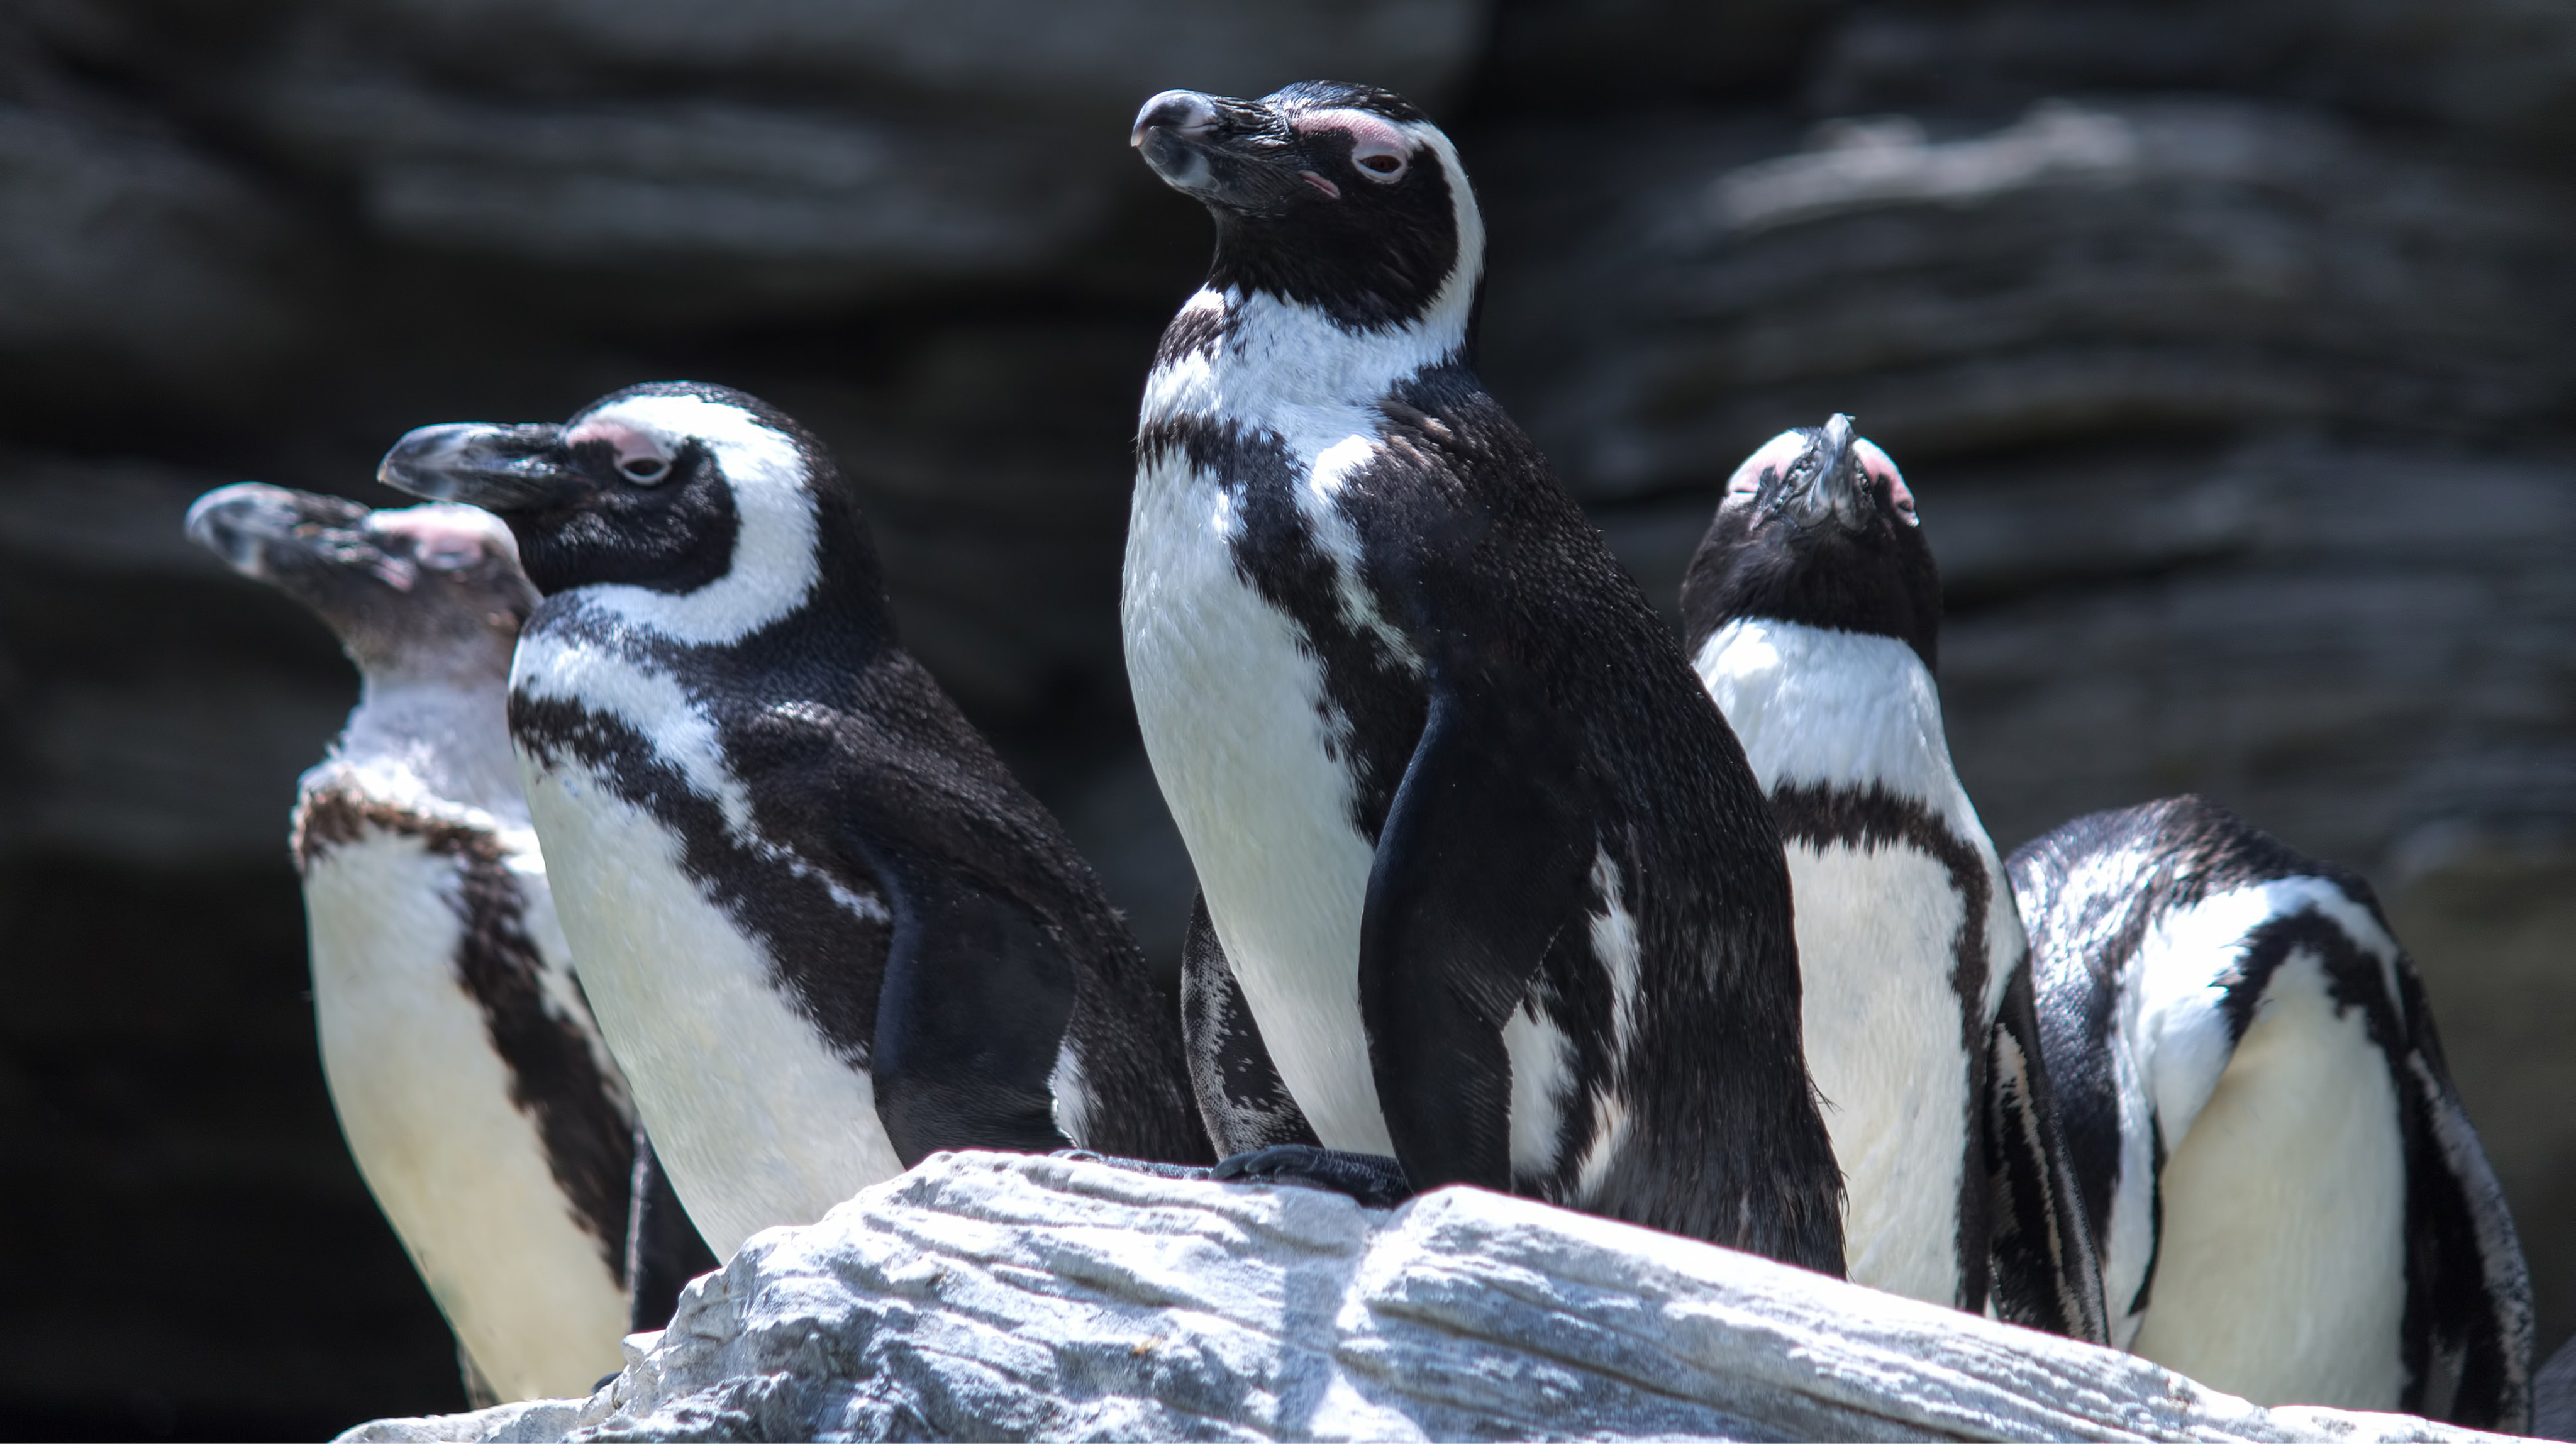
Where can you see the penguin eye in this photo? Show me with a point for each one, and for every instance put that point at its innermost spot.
(1379, 162)
(646, 470)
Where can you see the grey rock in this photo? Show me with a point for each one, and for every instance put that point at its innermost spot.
(2088, 268)
(115, 516)
(2499, 67)
(2350, 644)
(536, 1421)
(1096, 60)
(140, 733)
(776, 154)
(986, 1297)
(764, 204)
(133, 255)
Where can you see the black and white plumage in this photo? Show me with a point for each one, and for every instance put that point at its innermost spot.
(824, 929)
(1485, 878)
(483, 1110)
(1812, 613)
(2289, 1201)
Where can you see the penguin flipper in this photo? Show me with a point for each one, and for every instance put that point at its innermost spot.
(1240, 1095)
(2046, 1272)
(2463, 1254)
(971, 1016)
(663, 1249)
(1481, 864)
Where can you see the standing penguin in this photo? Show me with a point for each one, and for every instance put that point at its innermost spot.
(1487, 885)
(1812, 613)
(823, 928)
(2289, 1201)
(469, 1078)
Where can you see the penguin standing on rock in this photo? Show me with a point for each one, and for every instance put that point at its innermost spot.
(823, 928)
(1812, 612)
(1487, 884)
(469, 1078)
(2289, 1201)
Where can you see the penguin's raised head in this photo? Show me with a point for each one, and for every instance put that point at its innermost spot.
(701, 512)
(1817, 527)
(1343, 197)
(436, 588)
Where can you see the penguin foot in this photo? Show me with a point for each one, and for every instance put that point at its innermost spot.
(1373, 1182)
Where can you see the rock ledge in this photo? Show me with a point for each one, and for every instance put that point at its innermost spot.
(985, 1296)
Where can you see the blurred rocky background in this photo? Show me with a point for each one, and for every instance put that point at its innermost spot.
(2226, 342)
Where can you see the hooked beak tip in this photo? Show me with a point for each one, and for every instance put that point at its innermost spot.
(228, 522)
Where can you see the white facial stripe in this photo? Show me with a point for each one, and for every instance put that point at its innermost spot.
(1457, 296)
(774, 564)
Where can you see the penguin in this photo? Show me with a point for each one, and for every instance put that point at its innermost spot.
(469, 1078)
(822, 927)
(1488, 886)
(2289, 1202)
(1812, 613)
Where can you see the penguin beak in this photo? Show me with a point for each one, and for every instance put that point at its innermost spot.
(1825, 485)
(247, 523)
(504, 469)
(1226, 152)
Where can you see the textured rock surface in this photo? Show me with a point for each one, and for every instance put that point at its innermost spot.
(2224, 340)
(987, 1297)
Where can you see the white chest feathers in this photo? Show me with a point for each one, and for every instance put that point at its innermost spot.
(758, 1120)
(1235, 720)
(1828, 716)
(1249, 749)
(2279, 1274)
(423, 1096)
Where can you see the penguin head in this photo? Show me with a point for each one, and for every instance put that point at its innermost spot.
(1817, 528)
(1342, 197)
(695, 510)
(434, 589)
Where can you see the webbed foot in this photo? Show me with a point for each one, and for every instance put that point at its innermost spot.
(1371, 1181)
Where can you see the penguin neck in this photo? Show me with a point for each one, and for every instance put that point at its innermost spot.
(1262, 360)
(818, 579)
(1832, 708)
(448, 738)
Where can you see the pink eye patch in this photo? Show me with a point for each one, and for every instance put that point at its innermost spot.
(627, 442)
(1372, 137)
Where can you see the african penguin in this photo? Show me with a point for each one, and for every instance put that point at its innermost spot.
(1485, 877)
(824, 929)
(469, 1078)
(2289, 1202)
(1812, 612)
